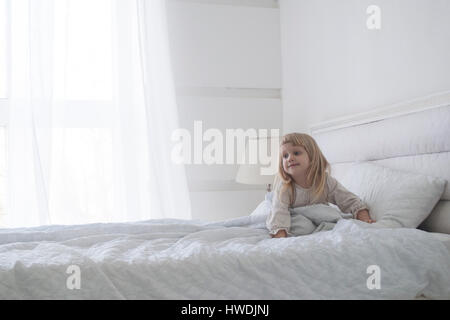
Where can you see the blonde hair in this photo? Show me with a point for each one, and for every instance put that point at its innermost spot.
(316, 175)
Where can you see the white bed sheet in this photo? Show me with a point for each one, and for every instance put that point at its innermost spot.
(235, 259)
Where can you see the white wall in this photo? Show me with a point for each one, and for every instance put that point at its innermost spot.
(334, 66)
(227, 66)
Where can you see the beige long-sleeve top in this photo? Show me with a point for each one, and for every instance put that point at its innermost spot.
(280, 217)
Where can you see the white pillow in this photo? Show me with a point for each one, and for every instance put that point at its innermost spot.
(265, 206)
(395, 198)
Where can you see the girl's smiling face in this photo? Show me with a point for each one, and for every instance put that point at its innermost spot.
(295, 160)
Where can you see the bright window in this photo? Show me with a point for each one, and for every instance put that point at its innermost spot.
(84, 157)
(83, 46)
(82, 89)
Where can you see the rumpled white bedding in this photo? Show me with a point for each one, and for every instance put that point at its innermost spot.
(234, 259)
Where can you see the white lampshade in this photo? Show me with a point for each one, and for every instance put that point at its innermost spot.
(252, 173)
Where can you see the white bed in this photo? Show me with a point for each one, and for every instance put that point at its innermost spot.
(411, 136)
(237, 259)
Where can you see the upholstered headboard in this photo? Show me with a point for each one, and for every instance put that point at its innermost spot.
(410, 136)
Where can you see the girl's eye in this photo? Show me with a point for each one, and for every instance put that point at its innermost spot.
(285, 156)
(297, 153)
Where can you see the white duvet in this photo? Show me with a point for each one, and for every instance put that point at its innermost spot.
(235, 259)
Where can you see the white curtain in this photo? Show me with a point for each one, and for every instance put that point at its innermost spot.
(92, 110)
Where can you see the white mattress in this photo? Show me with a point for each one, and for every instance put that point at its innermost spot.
(235, 259)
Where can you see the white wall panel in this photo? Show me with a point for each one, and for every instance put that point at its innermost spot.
(215, 206)
(334, 66)
(225, 46)
(223, 114)
(227, 66)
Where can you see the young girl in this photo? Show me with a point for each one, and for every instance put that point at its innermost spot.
(303, 179)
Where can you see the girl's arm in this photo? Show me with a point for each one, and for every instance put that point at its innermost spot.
(279, 220)
(347, 201)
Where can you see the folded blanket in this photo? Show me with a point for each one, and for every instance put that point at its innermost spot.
(304, 220)
(315, 218)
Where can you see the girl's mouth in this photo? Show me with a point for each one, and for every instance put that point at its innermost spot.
(293, 165)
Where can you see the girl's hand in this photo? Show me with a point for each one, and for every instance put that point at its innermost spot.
(280, 234)
(363, 215)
